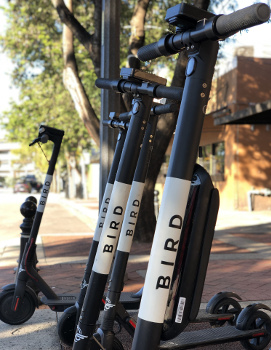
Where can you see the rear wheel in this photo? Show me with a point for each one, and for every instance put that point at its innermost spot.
(259, 320)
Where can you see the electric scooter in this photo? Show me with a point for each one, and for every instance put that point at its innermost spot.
(142, 86)
(18, 301)
(167, 283)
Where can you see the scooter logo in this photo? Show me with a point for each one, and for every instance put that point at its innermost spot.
(108, 304)
(44, 193)
(84, 284)
(79, 335)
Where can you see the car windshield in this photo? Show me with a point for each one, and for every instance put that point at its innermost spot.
(30, 177)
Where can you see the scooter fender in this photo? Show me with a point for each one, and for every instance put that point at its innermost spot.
(11, 287)
(193, 254)
(247, 312)
(137, 294)
(217, 298)
(71, 310)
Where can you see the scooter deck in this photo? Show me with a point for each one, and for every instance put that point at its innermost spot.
(189, 340)
(59, 305)
(203, 316)
(67, 300)
(129, 302)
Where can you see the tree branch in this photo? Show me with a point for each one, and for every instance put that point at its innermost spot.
(90, 42)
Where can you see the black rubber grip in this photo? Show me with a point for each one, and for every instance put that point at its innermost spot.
(126, 116)
(171, 92)
(242, 19)
(149, 52)
(105, 83)
(163, 109)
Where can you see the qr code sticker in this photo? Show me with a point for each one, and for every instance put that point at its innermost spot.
(180, 310)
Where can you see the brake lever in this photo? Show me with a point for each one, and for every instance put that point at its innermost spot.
(44, 138)
(35, 141)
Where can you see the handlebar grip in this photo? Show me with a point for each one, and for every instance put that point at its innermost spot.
(149, 52)
(164, 109)
(242, 19)
(105, 83)
(171, 92)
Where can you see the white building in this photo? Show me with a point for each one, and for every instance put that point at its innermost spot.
(9, 168)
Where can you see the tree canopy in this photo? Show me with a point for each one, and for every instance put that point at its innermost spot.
(33, 41)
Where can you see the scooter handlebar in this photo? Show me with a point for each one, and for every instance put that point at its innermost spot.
(155, 90)
(217, 27)
(248, 17)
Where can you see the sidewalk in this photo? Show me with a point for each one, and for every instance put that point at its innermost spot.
(240, 261)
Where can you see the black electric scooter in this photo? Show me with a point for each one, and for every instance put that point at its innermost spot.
(142, 86)
(111, 308)
(177, 288)
(68, 321)
(18, 301)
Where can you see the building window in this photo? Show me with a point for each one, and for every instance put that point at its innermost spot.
(213, 160)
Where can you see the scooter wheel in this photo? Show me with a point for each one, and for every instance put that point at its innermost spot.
(22, 314)
(66, 327)
(226, 306)
(117, 344)
(258, 320)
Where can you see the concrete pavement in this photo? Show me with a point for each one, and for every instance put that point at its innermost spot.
(240, 260)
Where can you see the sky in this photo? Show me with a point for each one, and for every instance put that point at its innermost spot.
(259, 36)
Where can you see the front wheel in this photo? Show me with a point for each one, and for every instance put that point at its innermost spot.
(22, 314)
(117, 344)
(226, 306)
(66, 326)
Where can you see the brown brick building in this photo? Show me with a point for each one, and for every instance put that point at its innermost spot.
(236, 139)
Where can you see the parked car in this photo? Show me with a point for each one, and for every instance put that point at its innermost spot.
(22, 186)
(27, 184)
(35, 184)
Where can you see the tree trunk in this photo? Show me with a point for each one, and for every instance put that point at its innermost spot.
(74, 85)
(72, 175)
(137, 31)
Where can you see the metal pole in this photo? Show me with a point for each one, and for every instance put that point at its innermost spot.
(110, 101)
